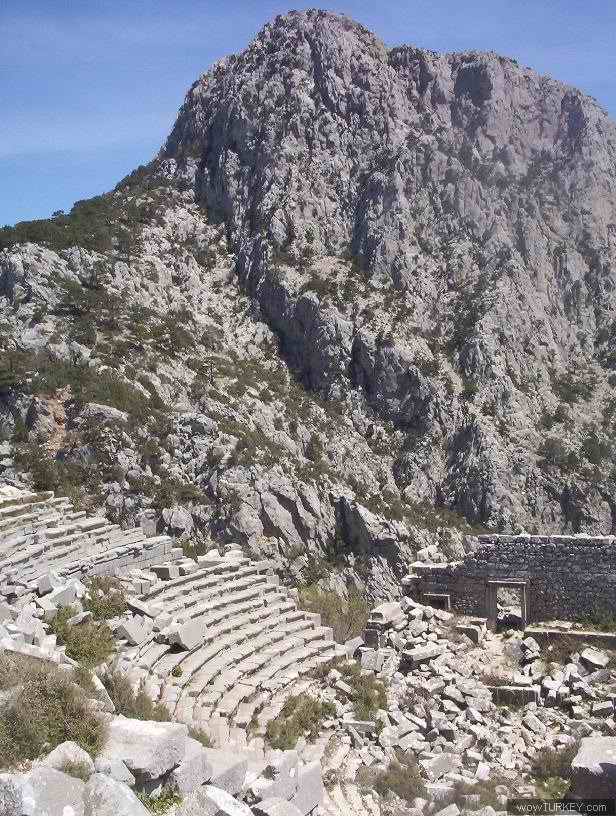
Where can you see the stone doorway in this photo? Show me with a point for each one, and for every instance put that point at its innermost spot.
(510, 599)
(438, 600)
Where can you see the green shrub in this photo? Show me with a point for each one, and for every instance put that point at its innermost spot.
(90, 643)
(105, 598)
(300, 716)
(554, 763)
(402, 777)
(78, 770)
(172, 491)
(370, 696)
(574, 385)
(594, 448)
(553, 453)
(201, 735)
(48, 708)
(347, 618)
(168, 798)
(134, 704)
(487, 790)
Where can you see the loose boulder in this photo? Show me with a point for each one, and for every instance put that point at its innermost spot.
(105, 796)
(148, 749)
(593, 771)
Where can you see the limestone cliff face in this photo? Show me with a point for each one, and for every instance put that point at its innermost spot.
(428, 243)
(476, 202)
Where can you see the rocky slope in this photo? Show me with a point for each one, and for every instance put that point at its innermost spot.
(362, 300)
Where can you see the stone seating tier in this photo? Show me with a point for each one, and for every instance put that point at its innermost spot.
(253, 646)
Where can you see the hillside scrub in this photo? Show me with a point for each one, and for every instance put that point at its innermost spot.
(105, 598)
(131, 702)
(401, 777)
(90, 643)
(45, 709)
(347, 617)
(301, 716)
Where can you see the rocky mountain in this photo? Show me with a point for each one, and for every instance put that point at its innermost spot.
(361, 303)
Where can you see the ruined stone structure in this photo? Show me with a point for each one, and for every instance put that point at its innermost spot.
(556, 577)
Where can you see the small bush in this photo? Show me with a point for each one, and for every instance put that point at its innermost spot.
(348, 618)
(554, 762)
(105, 598)
(488, 792)
(10, 673)
(402, 777)
(136, 705)
(163, 803)
(78, 770)
(301, 715)
(574, 386)
(201, 735)
(370, 696)
(48, 708)
(88, 643)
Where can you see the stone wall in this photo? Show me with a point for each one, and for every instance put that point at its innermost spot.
(564, 577)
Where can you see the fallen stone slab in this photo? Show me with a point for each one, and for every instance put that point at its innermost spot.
(193, 770)
(276, 807)
(533, 724)
(412, 658)
(361, 726)
(450, 810)
(515, 695)
(281, 778)
(593, 770)
(135, 630)
(114, 768)
(594, 658)
(186, 635)
(212, 801)
(148, 749)
(228, 769)
(437, 766)
(53, 792)
(351, 646)
(310, 788)
(105, 796)
(100, 693)
(48, 581)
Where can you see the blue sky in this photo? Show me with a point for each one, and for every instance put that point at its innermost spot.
(90, 88)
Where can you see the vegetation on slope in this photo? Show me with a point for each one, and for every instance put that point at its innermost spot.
(43, 708)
